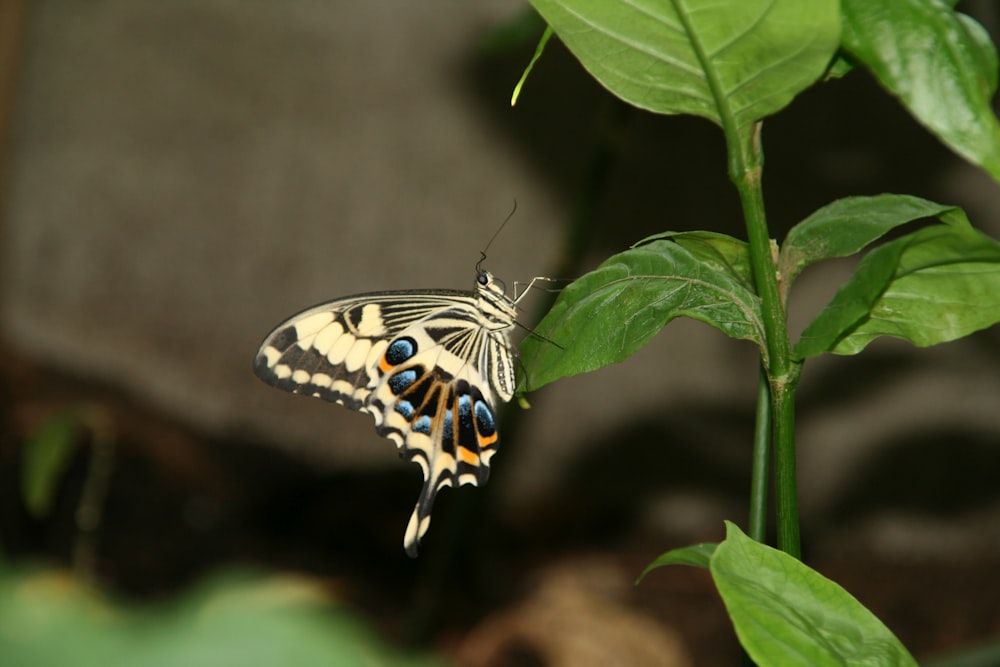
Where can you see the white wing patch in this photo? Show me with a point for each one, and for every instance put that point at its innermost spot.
(341, 346)
(325, 339)
(371, 321)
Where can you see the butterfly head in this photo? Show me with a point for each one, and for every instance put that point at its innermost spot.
(493, 299)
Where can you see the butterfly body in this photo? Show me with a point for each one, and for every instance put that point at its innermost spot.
(428, 365)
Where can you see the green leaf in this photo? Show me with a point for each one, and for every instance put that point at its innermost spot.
(848, 225)
(610, 313)
(696, 555)
(745, 59)
(940, 64)
(934, 285)
(46, 455)
(842, 66)
(542, 41)
(721, 251)
(49, 618)
(785, 613)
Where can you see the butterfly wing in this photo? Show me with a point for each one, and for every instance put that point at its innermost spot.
(331, 351)
(424, 364)
(437, 408)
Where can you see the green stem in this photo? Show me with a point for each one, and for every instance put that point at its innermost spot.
(785, 484)
(746, 162)
(757, 525)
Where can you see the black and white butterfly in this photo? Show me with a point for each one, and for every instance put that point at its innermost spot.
(428, 365)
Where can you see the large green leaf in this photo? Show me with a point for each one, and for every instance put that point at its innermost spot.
(934, 285)
(788, 614)
(939, 63)
(611, 312)
(848, 225)
(744, 59)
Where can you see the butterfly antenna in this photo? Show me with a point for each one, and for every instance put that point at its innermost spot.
(493, 238)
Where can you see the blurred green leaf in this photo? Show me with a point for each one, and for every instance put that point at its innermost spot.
(978, 655)
(48, 618)
(696, 555)
(608, 314)
(847, 225)
(934, 285)
(788, 614)
(941, 64)
(745, 59)
(47, 453)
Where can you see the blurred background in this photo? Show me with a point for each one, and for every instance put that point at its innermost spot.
(179, 177)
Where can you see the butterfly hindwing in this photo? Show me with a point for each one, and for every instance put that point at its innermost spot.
(427, 365)
(427, 401)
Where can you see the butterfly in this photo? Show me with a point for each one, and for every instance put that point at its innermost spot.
(429, 365)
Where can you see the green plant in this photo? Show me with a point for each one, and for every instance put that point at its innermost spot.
(736, 62)
(236, 617)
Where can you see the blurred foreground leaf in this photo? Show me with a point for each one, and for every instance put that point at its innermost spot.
(49, 618)
(46, 455)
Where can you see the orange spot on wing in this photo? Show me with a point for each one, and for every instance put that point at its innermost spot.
(468, 456)
(487, 440)
(384, 365)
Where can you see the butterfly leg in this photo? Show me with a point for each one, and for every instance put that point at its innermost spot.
(531, 283)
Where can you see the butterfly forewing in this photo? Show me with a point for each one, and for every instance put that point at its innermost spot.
(331, 351)
(427, 365)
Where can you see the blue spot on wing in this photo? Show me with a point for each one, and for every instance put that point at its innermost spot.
(464, 408)
(401, 380)
(484, 419)
(466, 425)
(448, 433)
(400, 350)
(423, 425)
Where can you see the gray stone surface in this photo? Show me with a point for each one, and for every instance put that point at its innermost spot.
(185, 175)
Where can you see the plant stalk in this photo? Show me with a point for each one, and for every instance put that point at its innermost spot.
(757, 524)
(746, 163)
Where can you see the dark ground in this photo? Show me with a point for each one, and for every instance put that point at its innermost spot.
(179, 506)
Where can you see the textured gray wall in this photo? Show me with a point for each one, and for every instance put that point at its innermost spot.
(184, 175)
